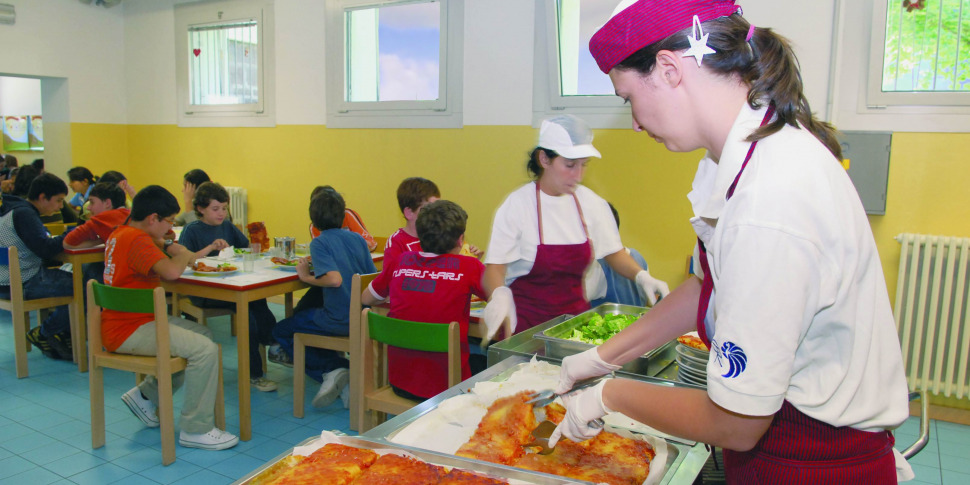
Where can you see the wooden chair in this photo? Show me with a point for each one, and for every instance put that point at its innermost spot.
(20, 310)
(201, 314)
(138, 301)
(377, 397)
(340, 344)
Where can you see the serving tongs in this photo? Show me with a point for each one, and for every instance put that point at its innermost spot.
(542, 432)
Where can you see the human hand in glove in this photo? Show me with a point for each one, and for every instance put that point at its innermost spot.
(582, 366)
(649, 287)
(581, 408)
(500, 306)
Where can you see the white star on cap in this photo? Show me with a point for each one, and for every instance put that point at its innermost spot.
(698, 43)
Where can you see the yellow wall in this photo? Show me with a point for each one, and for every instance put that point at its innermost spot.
(478, 165)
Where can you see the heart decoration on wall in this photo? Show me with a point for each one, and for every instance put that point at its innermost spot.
(196, 52)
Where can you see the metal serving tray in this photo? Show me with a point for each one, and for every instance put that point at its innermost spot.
(559, 346)
(684, 461)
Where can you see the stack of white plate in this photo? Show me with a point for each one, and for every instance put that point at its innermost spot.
(692, 365)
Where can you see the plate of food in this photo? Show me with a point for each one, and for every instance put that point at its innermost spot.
(223, 269)
(284, 263)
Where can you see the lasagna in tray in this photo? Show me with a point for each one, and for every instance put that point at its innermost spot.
(337, 464)
(607, 458)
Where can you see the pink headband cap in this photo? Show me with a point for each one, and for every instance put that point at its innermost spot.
(639, 23)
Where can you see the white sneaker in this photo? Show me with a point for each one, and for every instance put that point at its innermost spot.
(142, 408)
(345, 396)
(263, 384)
(215, 439)
(333, 382)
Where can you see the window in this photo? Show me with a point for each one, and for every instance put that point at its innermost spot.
(224, 64)
(921, 53)
(394, 64)
(567, 78)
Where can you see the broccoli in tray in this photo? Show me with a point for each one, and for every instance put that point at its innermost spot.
(598, 329)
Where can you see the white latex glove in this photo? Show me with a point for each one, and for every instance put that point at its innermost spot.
(581, 366)
(581, 408)
(500, 306)
(649, 287)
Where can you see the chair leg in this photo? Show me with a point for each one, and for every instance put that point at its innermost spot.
(21, 325)
(220, 411)
(96, 383)
(262, 354)
(232, 324)
(166, 417)
(299, 376)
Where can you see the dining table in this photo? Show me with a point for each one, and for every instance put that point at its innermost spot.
(76, 258)
(267, 279)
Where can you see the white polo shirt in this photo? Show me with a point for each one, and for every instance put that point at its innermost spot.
(515, 230)
(801, 310)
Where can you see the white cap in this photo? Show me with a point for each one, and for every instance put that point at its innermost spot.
(568, 136)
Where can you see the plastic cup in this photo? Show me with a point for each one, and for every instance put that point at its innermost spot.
(255, 249)
(249, 262)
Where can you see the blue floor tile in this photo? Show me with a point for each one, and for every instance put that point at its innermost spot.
(951, 477)
(106, 473)
(34, 476)
(204, 477)
(74, 464)
(171, 473)
(14, 465)
(237, 466)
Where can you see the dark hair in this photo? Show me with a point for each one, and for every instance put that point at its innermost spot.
(415, 190)
(81, 174)
(616, 215)
(206, 193)
(533, 166)
(320, 188)
(153, 199)
(111, 192)
(47, 184)
(440, 225)
(11, 161)
(327, 210)
(25, 176)
(38, 164)
(113, 176)
(196, 177)
(766, 64)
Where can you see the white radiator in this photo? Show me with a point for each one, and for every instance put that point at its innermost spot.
(931, 312)
(237, 205)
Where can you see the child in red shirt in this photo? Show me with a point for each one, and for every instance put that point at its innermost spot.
(434, 286)
(134, 258)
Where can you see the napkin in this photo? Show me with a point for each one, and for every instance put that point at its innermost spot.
(227, 253)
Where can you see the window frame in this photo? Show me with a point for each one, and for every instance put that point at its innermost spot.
(875, 96)
(598, 111)
(259, 114)
(444, 112)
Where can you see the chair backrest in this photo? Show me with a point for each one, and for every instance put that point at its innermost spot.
(381, 242)
(358, 285)
(426, 337)
(128, 300)
(11, 259)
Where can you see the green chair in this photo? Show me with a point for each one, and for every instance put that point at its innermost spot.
(20, 309)
(376, 396)
(137, 301)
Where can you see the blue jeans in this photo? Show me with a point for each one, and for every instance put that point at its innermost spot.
(318, 361)
(46, 284)
(261, 322)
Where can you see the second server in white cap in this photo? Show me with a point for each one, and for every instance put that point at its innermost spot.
(545, 234)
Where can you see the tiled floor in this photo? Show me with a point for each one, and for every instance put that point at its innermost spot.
(45, 432)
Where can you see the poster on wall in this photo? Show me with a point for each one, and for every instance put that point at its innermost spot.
(35, 132)
(15, 133)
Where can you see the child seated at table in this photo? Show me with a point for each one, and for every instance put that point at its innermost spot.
(412, 194)
(21, 226)
(108, 211)
(336, 256)
(190, 183)
(134, 258)
(212, 232)
(441, 294)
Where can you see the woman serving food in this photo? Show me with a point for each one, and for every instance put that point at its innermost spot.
(805, 375)
(545, 235)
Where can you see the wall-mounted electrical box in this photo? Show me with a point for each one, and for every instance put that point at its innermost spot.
(867, 160)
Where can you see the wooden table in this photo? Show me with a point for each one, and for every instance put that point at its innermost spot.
(77, 257)
(240, 288)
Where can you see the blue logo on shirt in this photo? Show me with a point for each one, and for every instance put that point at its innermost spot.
(737, 360)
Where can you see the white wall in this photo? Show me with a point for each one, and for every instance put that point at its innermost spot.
(19, 96)
(64, 38)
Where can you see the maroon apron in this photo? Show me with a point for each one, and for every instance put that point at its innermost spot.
(554, 286)
(796, 448)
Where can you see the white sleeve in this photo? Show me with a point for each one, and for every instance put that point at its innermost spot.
(504, 243)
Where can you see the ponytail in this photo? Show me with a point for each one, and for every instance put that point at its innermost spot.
(765, 63)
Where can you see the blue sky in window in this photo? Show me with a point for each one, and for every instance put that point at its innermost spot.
(592, 15)
(408, 36)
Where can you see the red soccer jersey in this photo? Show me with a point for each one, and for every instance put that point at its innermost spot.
(432, 288)
(128, 259)
(99, 228)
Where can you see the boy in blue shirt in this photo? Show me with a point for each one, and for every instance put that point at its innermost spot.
(212, 232)
(336, 256)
